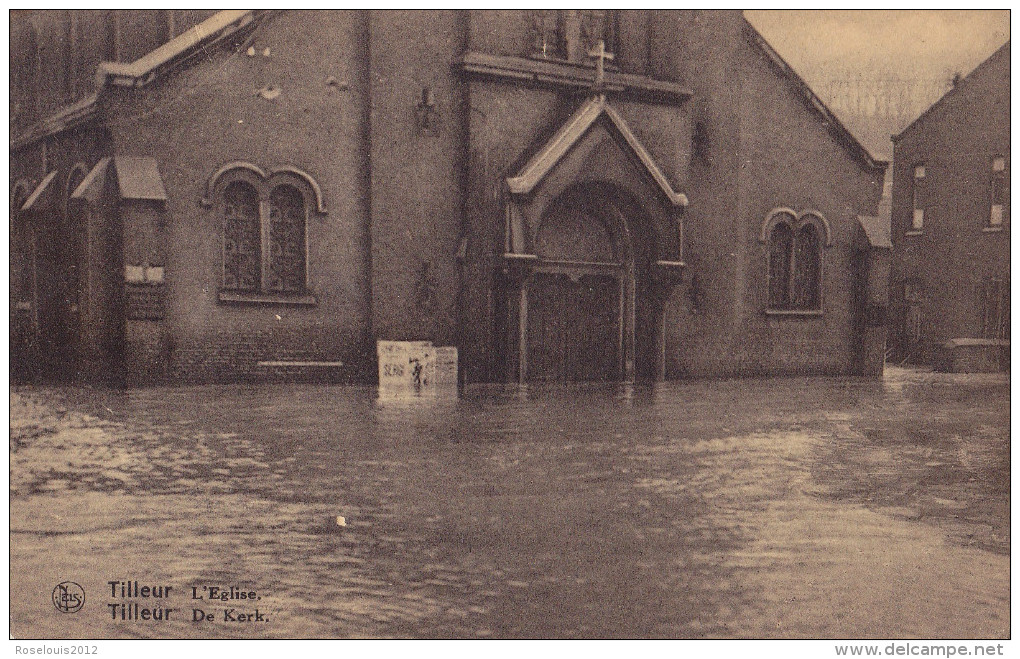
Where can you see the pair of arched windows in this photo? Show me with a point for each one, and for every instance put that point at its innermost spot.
(263, 238)
(264, 227)
(795, 244)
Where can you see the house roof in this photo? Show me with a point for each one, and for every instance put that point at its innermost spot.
(39, 191)
(836, 127)
(91, 187)
(540, 164)
(877, 230)
(1003, 51)
(139, 73)
(137, 178)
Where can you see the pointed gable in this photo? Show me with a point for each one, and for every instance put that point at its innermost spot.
(540, 164)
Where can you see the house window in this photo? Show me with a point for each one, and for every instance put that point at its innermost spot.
(913, 298)
(264, 221)
(571, 33)
(795, 261)
(999, 189)
(917, 194)
(993, 300)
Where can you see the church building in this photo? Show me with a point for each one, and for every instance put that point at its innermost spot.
(563, 195)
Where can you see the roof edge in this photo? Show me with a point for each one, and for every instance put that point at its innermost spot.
(145, 69)
(572, 130)
(68, 117)
(39, 191)
(849, 139)
(139, 73)
(962, 83)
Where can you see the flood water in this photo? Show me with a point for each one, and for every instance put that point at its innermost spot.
(802, 507)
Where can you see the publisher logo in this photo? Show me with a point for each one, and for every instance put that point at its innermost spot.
(68, 597)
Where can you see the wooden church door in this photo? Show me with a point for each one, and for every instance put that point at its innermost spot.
(574, 327)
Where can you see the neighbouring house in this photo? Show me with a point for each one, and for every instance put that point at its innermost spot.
(560, 194)
(950, 222)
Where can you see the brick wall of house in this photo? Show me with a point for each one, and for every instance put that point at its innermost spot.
(957, 250)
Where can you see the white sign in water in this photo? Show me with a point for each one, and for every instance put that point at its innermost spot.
(416, 366)
(445, 374)
(405, 364)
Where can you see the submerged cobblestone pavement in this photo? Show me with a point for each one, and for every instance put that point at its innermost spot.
(802, 507)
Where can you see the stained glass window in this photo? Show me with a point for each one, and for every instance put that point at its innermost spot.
(265, 250)
(242, 253)
(286, 240)
(795, 264)
(806, 269)
(780, 252)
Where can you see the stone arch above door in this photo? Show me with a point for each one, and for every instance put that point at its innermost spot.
(580, 226)
(595, 145)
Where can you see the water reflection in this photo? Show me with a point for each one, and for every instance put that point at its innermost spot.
(614, 510)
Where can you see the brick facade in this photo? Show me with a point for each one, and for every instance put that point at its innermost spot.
(402, 130)
(950, 276)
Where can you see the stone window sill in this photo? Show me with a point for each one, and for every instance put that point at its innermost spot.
(992, 229)
(794, 313)
(237, 297)
(913, 233)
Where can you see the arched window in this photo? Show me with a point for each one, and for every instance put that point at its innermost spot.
(795, 260)
(286, 239)
(242, 241)
(264, 218)
(806, 271)
(780, 257)
(74, 179)
(24, 73)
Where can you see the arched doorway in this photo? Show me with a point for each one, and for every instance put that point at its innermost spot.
(580, 294)
(592, 250)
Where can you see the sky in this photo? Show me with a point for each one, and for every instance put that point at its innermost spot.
(927, 42)
(883, 53)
